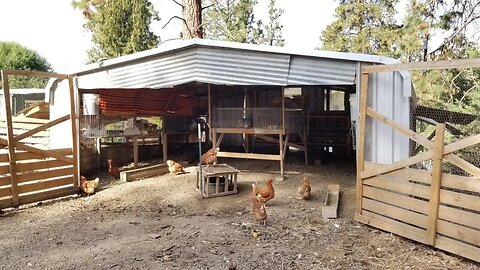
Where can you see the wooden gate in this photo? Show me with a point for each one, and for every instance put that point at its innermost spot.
(29, 170)
(428, 206)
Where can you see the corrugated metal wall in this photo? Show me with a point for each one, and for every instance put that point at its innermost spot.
(318, 71)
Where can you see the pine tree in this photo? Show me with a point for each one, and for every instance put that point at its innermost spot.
(273, 30)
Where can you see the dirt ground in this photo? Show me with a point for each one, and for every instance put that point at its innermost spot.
(163, 223)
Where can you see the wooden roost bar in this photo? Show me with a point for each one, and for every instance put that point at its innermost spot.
(269, 124)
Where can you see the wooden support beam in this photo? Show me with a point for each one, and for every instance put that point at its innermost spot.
(219, 140)
(41, 128)
(463, 164)
(285, 144)
(135, 152)
(209, 112)
(445, 64)
(40, 74)
(164, 146)
(396, 165)
(280, 142)
(75, 139)
(436, 184)
(249, 156)
(44, 153)
(361, 142)
(10, 140)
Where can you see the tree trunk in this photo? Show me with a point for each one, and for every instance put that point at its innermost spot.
(192, 14)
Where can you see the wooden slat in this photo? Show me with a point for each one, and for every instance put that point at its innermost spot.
(75, 123)
(5, 180)
(44, 174)
(399, 185)
(463, 164)
(5, 203)
(459, 232)
(397, 213)
(459, 216)
(27, 155)
(436, 183)
(391, 225)
(18, 131)
(42, 164)
(249, 155)
(461, 144)
(41, 128)
(5, 191)
(31, 73)
(5, 169)
(44, 153)
(444, 64)
(48, 194)
(273, 140)
(45, 184)
(460, 200)
(362, 116)
(397, 199)
(398, 127)
(4, 157)
(461, 182)
(249, 131)
(459, 248)
(397, 165)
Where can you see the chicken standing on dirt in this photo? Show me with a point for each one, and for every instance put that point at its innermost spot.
(305, 189)
(113, 169)
(264, 194)
(210, 157)
(174, 167)
(259, 210)
(88, 186)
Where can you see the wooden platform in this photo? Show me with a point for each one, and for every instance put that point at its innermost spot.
(218, 180)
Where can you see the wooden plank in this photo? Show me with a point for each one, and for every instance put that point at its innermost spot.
(41, 128)
(461, 182)
(145, 172)
(28, 155)
(45, 184)
(397, 199)
(48, 194)
(397, 165)
(436, 184)
(75, 123)
(10, 141)
(392, 226)
(42, 164)
(459, 248)
(249, 131)
(280, 144)
(461, 144)
(459, 232)
(362, 116)
(4, 157)
(44, 174)
(135, 152)
(219, 140)
(400, 186)
(444, 64)
(459, 216)
(209, 88)
(460, 200)
(5, 191)
(463, 164)
(31, 73)
(164, 146)
(4, 169)
(397, 213)
(273, 140)
(249, 156)
(398, 127)
(5, 180)
(5, 203)
(44, 153)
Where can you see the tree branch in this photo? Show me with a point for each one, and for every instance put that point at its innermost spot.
(175, 17)
(208, 6)
(178, 3)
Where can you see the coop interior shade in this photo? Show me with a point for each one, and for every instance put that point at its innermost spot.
(147, 102)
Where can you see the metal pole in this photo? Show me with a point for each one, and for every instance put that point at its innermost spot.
(201, 186)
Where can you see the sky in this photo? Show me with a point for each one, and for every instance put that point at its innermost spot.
(55, 30)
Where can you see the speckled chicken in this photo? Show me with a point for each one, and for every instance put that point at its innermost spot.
(88, 186)
(304, 190)
(210, 157)
(175, 167)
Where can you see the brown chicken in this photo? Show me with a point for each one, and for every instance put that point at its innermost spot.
(113, 169)
(304, 190)
(174, 167)
(210, 157)
(264, 194)
(88, 186)
(259, 210)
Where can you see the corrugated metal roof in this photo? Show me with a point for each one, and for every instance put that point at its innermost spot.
(218, 62)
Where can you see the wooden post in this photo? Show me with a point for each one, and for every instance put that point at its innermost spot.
(135, 151)
(436, 184)
(280, 142)
(283, 109)
(98, 145)
(73, 119)
(361, 142)
(209, 112)
(10, 140)
(164, 146)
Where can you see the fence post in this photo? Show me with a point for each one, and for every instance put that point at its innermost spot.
(75, 137)
(436, 184)
(10, 139)
(362, 120)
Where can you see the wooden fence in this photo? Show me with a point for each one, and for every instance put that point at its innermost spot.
(29, 171)
(431, 207)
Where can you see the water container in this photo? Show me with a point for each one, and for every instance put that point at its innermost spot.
(90, 104)
(353, 107)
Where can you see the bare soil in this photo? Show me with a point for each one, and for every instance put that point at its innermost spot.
(163, 223)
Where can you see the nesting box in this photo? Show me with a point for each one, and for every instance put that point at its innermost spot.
(218, 180)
